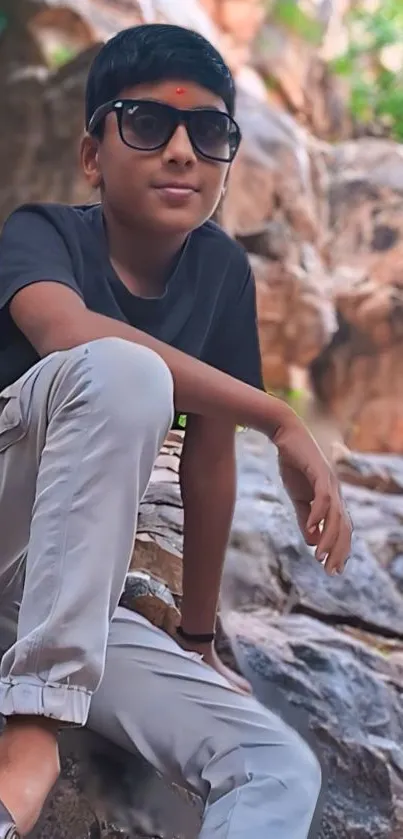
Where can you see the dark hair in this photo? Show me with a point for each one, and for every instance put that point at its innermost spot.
(152, 53)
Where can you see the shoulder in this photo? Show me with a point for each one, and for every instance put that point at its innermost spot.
(51, 229)
(39, 215)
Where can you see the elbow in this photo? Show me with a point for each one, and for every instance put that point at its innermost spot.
(65, 334)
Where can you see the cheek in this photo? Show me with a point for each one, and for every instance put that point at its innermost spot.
(121, 172)
(214, 183)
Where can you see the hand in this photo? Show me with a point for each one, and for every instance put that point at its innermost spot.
(236, 681)
(315, 493)
(212, 659)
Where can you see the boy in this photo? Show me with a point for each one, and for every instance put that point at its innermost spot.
(111, 317)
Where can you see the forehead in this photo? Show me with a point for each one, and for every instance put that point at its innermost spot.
(177, 92)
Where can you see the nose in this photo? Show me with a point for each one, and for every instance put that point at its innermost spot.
(179, 150)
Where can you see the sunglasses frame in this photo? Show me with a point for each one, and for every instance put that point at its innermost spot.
(181, 116)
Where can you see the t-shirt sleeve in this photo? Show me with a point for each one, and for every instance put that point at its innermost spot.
(32, 249)
(235, 345)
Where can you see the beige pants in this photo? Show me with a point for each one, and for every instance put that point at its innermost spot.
(79, 435)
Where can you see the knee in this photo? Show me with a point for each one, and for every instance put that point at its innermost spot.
(284, 757)
(125, 381)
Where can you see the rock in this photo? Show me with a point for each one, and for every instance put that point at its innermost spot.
(269, 564)
(383, 473)
(43, 113)
(105, 793)
(303, 84)
(275, 207)
(295, 316)
(378, 520)
(348, 695)
(238, 22)
(273, 175)
(359, 376)
(340, 685)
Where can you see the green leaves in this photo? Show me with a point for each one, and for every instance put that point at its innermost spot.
(290, 15)
(376, 91)
(3, 22)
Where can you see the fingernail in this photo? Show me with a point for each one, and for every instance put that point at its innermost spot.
(334, 572)
(322, 557)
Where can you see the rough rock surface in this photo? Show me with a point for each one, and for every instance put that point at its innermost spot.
(319, 649)
(348, 697)
(360, 375)
(276, 206)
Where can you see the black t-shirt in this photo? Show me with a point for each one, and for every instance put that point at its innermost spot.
(208, 308)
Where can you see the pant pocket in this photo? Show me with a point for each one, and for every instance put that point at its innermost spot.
(12, 426)
(15, 402)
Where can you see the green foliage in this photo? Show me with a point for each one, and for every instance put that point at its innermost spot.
(3, 22)
(61, 55)
(376, 91)
(289, 14)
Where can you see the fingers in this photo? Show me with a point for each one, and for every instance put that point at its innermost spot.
(334, 545)
(303, 511)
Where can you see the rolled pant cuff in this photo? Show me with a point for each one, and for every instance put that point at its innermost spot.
(66, 703)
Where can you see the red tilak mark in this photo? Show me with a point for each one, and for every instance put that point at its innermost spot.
(180, 90)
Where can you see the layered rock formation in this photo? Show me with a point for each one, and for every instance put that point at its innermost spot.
(360, 376)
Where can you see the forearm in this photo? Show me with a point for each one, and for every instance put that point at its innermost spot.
(199, 388)
(208, 490)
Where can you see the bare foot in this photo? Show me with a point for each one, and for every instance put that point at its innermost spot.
(29, 767)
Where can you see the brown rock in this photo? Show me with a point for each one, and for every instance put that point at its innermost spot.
(360, 376)
(302, 79)
(43, 113)
(295, 317)
(274, 177)
(275, 205)
(241, 18)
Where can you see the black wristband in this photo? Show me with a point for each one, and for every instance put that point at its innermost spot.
(208, 638)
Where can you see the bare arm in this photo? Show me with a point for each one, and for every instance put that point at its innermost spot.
(53, 317)
(208, 484)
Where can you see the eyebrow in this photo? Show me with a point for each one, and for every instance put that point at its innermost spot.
(160, 102)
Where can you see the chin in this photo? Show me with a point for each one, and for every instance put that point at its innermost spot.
(176, 223)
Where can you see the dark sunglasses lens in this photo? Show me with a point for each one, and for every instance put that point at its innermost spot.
(146, 125)
(214, 134)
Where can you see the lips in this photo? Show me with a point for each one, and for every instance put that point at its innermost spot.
(177, 186)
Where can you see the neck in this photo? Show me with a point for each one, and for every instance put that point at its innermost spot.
(141, 261)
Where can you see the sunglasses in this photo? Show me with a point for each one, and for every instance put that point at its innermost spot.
(147, 126)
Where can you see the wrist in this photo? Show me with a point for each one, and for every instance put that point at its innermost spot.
(280, 417)
(199, 638)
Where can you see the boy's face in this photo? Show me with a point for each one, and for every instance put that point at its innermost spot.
(172, 189)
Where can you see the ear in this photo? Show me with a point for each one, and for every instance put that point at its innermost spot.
(89, 155)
